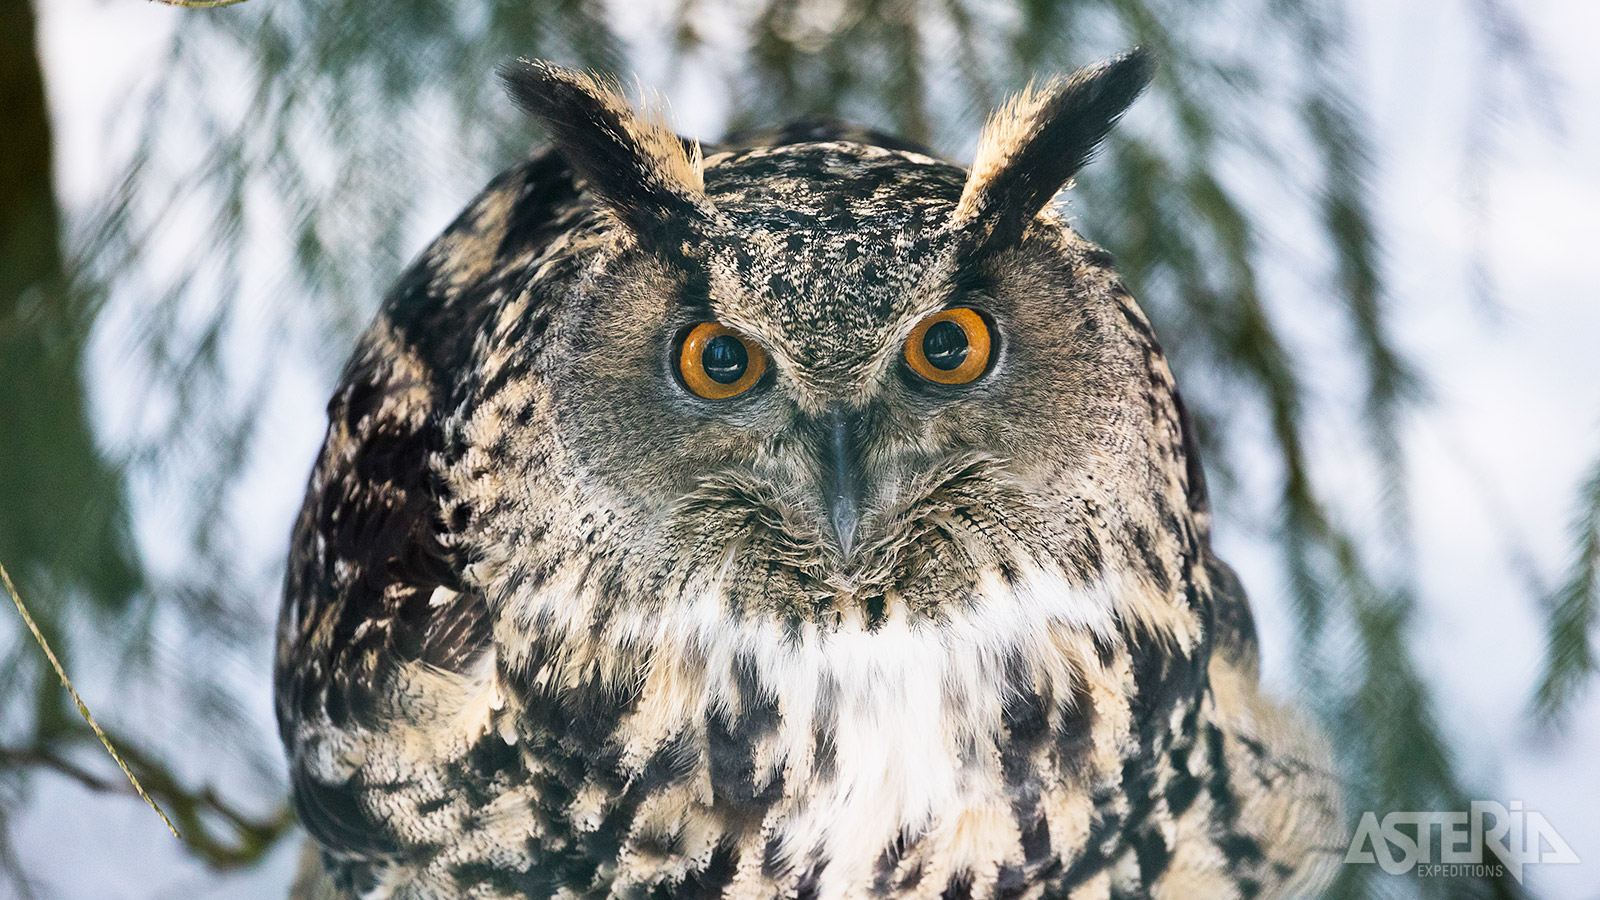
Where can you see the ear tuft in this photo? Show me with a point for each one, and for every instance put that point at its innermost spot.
(1042, 136)
(633, 162)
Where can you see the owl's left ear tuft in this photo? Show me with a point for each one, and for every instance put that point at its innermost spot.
(1034, 144)
(636, 166)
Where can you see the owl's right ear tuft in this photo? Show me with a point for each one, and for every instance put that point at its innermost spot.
(646, 176)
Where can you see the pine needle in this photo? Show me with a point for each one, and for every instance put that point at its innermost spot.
(83, 710)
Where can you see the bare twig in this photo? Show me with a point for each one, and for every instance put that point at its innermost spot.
(83, 710)
(247, 838)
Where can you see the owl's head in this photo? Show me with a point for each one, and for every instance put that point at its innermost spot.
(848, 382)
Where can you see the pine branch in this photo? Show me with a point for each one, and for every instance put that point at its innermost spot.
(1573, 613)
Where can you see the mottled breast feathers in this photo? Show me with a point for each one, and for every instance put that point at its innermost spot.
(557, 624)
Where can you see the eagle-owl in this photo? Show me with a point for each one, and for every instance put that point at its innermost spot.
(803, 516)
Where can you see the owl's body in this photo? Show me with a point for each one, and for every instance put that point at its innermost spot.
(562, 621)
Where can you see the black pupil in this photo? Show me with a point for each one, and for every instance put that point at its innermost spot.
(725, 359)
(945, 345)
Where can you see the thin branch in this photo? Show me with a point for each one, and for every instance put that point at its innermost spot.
(83, 710)
(251, 836)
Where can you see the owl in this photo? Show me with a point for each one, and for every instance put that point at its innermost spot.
(803, 516)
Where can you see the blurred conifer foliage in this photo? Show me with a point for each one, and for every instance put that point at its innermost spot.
(291, 154)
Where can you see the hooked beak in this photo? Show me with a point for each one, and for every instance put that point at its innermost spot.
(842, 478)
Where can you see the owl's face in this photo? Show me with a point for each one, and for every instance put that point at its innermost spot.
(852, 386)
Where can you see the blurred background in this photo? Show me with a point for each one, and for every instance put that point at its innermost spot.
(1364, 230)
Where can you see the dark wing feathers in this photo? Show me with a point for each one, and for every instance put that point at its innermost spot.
(1234, 626)
(372, 546)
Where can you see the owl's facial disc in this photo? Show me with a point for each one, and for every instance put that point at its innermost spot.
(826, 372)
(947, 349)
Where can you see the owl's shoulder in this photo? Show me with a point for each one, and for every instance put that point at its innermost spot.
(375, 577)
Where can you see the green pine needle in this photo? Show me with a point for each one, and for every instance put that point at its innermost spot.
(1574, 611)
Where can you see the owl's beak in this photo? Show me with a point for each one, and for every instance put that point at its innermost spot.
(842, 477)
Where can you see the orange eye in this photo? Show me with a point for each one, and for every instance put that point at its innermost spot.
(950, 347)
(717, 362)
